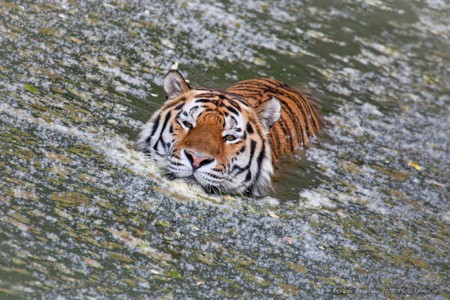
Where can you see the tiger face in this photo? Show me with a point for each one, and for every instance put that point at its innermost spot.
(211, 138)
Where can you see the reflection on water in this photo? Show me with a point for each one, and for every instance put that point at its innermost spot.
(363, 209)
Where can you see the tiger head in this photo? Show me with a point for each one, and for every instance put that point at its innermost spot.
(212, 138)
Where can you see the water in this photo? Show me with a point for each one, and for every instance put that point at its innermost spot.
(364, 210)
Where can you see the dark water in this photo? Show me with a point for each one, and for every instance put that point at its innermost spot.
(363, 212)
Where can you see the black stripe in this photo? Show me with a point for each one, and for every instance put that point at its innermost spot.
(234, 119)
(235, 105)
(155, 126)
(260, 160)
(206, 101)
(214, 176)
(231, 109)
(207, 95)
(252, 148)
(248, 177)
(285, 128)
(179, 106)
(249, 128)
(173, 104)
(242, 169)
(237, 97)
(160, 140)
(277, 139)
(166, 120)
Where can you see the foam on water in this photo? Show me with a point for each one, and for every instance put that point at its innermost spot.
(112, 146)
(316, 200)
(84, 215)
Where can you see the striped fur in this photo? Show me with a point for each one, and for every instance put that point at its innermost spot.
(299, 118)
(227, 141)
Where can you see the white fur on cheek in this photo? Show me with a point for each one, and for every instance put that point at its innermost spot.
(179, 167)
(155, 138)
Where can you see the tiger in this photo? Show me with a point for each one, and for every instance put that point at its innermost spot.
(227, 141)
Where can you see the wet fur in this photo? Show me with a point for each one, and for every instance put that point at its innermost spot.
(264, 117)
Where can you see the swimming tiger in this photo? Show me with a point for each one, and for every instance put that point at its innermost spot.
(227, 141)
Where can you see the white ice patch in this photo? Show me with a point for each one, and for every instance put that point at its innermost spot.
(270, 201)
(446, 216)
(113, 147)
(117, 72)
(183, 188)
(437, 4)
(370, 110)
(316, 200)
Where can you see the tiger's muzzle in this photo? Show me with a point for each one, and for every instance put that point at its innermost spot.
(197, 159)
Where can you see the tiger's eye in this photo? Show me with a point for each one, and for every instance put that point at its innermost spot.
(187, 124)
(229, 138)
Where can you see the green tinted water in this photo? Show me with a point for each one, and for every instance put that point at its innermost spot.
(364, 210)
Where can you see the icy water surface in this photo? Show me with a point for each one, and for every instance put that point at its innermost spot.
(363, 213)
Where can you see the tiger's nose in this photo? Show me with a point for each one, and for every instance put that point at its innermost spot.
(197, 160)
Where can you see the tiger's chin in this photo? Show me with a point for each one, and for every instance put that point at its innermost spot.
(205, 186)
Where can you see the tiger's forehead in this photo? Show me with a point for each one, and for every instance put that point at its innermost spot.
(225, 108)
(218, 99)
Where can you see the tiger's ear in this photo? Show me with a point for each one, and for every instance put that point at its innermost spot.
(269, 112)
(175, 84)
